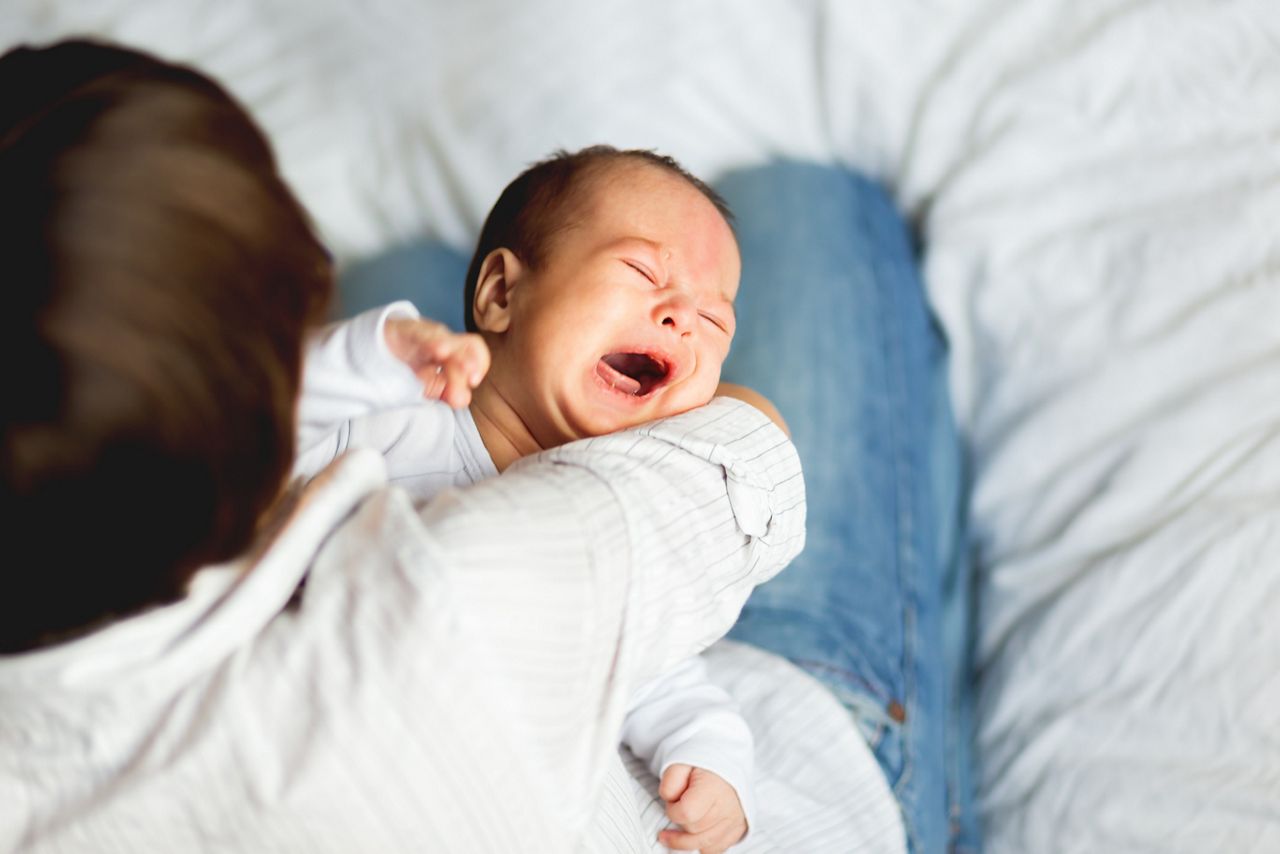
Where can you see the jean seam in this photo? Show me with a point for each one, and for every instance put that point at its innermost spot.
(906, 559)
(898, 304)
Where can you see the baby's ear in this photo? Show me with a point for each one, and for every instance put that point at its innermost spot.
(499, 273)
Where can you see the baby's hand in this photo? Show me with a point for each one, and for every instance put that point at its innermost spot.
(449, 364)
(704, 806)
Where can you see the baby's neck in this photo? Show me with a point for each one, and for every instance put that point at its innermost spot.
(505, 435)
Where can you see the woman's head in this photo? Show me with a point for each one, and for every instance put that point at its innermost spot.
(159, 278)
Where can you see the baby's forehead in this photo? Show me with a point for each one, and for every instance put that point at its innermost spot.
(646, 194)
(607, 180)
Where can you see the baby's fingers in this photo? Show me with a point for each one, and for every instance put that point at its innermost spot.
(409, 337)
(428, 347)
(714, 840)
(695, 810)
(453, 366)
(708, 815)
(674, 781)
(457, 384)
(449, 383)
(465, 357)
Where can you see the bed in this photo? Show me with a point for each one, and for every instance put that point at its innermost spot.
(1097, 192)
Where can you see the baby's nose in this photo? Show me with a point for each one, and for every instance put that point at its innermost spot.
(676, 311)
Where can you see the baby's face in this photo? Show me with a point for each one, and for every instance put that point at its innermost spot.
(631, 315)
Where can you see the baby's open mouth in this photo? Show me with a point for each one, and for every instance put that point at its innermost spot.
(636, 374)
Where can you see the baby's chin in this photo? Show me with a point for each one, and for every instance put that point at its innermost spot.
(613, 422)
(676, 408)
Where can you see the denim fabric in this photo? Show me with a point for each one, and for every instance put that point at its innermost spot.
(833, 327)
(430, 275)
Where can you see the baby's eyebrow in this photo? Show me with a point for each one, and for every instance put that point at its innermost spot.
(651, 245)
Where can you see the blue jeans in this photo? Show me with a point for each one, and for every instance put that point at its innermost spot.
(833, 327)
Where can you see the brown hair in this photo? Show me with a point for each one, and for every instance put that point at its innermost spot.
(161, 276)
(538, 203)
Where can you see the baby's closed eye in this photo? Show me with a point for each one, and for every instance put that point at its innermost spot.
(642, 270)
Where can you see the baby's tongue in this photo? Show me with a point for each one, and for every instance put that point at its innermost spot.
(616, 378)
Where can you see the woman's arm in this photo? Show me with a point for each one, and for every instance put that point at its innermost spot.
(584, 571)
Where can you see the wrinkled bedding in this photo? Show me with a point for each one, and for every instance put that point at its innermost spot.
(1097, 189)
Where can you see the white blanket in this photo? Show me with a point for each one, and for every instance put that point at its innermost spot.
(1098, 189)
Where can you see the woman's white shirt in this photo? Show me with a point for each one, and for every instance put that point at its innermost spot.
(385, 676)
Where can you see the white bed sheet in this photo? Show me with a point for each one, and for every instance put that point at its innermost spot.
(1098, 188)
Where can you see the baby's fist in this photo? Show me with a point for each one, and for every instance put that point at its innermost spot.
(704, 807)
(449, 364)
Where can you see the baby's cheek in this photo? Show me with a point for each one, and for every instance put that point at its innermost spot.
(703, 392)
(713, 379)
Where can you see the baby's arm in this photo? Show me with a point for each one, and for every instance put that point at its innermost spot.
(380, 359)
(363, 386)
(690, 734)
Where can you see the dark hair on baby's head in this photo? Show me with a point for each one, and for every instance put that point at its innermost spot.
(160, 276)
(541, 200)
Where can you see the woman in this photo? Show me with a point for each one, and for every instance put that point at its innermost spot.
(199, 656)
